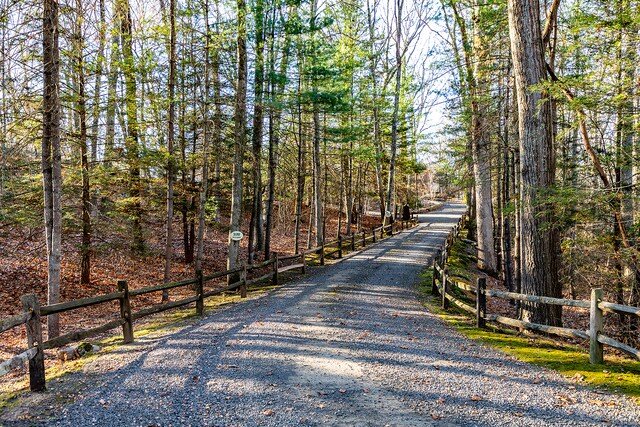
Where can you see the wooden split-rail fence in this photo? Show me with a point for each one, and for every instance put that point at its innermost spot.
(443, 286)
(32, 312)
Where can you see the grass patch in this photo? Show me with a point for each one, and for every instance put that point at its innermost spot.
(617, 374)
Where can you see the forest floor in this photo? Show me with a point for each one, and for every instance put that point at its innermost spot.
(348, 344)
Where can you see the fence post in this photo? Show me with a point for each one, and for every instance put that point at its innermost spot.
(304, 263)
(373, 232)
(391, 229)
(34, 339)
(339, 246)
(445, 289)
(481, 302)
(125, 312)
(274, 280)
(200, 291)
(364, 238)
(595, 328)
(322, 254)
(243, 281)
(434, 284)
(353, 242)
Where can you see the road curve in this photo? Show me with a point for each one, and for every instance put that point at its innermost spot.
(346, 345)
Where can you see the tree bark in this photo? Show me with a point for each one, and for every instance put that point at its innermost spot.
(481, 149)
(133, 127)
(256, 235)
(240, 109)
(537, 163)
(51, 157)
(168, 248)
(80, 78)
(396, 109)
(205, 143)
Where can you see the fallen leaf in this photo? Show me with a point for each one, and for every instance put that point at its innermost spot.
(268, 413)
(440, 401)
(435, 417)
(476, 398)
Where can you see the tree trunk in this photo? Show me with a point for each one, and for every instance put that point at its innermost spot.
(51, 157)
(275, 117)
(376, 111)
(112, 96)
(537, 163)
(205, 142)
(79, 72)
(168, 248)
(256, 235)
(481, 149)
(133, 128)
(316, 149)
(240, 108)
(396, 108)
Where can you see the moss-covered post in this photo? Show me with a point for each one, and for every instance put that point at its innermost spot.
(34, 339)
(339, 246)
(373, 233)
(596, 355)
(322, 254)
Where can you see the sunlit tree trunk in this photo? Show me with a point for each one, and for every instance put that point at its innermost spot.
(240, 109)
(51, 157)
(539, 263)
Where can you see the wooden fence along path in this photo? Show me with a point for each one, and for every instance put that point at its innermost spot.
(32, 312)
(443, 286)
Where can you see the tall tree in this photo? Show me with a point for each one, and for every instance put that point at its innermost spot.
(399, 5)
(51, 157)
(256, 233)
(539, 263)
(481, 142)
(168, 252)
(81, 110)
(132, 137)
(239, 117)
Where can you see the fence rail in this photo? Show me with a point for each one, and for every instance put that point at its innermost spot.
(443, 285)
(32, 311)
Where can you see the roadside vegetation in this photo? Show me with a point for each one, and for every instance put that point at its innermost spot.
(620, 374)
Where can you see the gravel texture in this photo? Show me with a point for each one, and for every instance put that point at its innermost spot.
(346, 345)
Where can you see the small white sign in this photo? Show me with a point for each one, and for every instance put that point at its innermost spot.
(236, 236)
(388, 213)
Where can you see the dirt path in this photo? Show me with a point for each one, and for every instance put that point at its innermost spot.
(347, 345)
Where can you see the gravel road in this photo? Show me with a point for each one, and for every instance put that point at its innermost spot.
(346, 345)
